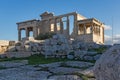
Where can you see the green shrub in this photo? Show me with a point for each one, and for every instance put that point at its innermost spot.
(99, 50)
(1, 67)
(44, 36)
(72, 53)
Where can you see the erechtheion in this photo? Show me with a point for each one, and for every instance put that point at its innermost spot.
(72, 25)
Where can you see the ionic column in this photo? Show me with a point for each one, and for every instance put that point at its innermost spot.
(75, 25)
(27, 32)
(103, 33)
(84, 29)
(49, 23)
(99, 30)
(55, 26)
(19, 34)
(79, 32)
(61, 26)
(68, 25)
(91, 28)
(35, 32)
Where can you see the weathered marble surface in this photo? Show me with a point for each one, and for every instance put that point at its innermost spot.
(108, 66)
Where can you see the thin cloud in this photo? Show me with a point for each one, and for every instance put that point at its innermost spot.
(108, 27)
(116, 39)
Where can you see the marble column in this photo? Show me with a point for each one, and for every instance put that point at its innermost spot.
(19, 34)
(79, 31)
(102, 33)
(49, 24)
(99, 30)
(75, 25)
(27, 32)
(55, 26)
(35, 31)
(61, 26)
(84, 29)
(91, 28)
(68, 25)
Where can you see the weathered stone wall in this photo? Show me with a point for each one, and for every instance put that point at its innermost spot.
(85, 38)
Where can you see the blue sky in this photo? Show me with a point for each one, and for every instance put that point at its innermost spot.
(13, 11)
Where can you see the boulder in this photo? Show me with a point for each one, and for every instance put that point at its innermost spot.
(80, 54)
(11, 48)
(70, 56)
(88, 58)
(34, 49)
(27, 48)
(96, 57)
(108, 66)
(18, 48)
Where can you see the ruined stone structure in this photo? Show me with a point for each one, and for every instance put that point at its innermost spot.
(72, 25)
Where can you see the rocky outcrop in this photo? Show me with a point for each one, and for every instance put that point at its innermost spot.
(20, 70)
(58, 47)
(108, 66)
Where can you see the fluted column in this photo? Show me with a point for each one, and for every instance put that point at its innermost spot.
(61, 26)
(99, 30)
(75, 25)
(35, 32)
(19, 34)
(84, 29)
(91, 28)
(49, 24)
(68, 25)
(103, 33)
(27, 32)
(55, 26)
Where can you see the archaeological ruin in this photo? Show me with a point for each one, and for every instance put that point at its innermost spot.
(72, 25)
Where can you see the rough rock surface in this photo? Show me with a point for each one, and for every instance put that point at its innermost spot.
(64, 70)
(65, 77)
(20, 70)
(79, 64)
(108, 66)
(23, 74)
(11, 64)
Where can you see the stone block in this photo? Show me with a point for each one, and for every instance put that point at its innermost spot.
(70, 56)
(12, 49)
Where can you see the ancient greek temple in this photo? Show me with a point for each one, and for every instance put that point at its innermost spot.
(72, 25)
